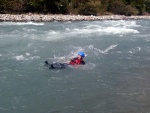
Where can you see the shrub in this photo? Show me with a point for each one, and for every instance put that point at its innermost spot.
(117, 7)
(147, 6)
(129, 10)
(90, 8)
(11, 6)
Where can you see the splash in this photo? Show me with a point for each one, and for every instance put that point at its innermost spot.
(87, 66)
(89, 50)
(110, 48)
(91, 47)
(20, 57)
(134, 50)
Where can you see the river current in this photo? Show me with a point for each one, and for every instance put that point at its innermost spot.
(115, 79)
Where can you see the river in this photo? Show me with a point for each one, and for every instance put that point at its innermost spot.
(115, 79)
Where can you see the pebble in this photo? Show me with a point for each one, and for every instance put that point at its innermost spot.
(60, 17)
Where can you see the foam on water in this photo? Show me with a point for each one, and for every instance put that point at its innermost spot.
(29, 45)
(120, 27)
(123, 23)
(60, 59)
(48, 36)
(89, 51)
(102, 30)
(134, 50)
(118, 30)
(109, 27)
(57, 36)
(20, 57)
(66, 57)
(87, 66)
(116, 69)
(102, 51)
(110, 48)
(147, 39)
(29, 30)
(113, 27)
(20, 23)
(26, 57)
(27, 54)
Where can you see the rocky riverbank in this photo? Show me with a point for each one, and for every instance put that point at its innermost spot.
(49, 18)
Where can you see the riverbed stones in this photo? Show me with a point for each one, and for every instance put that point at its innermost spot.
(59, 17)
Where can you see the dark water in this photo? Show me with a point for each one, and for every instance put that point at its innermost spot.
(115, 79)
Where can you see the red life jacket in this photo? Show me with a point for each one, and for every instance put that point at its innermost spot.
(76, 61)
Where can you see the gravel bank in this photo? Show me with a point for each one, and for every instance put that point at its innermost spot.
(49, 18)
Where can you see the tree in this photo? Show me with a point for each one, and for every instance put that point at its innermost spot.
(117, 7)
(86, 7)
(128, 2)
(11, 6)
(140, 5)
(147, 6)
(90, 7)
(52, 6)
(63, 6)
(2, 6)
(129, 10)
(34, 5)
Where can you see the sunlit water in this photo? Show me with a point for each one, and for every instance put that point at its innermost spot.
(115, 79)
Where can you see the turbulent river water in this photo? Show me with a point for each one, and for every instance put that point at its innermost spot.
(115, 79)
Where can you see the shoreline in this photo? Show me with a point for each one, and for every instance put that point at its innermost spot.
(60, 17)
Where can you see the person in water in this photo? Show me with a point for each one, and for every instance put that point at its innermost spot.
(75, 61)
(78, 60)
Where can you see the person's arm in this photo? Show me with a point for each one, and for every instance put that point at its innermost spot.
(71, 60)
(82, 63)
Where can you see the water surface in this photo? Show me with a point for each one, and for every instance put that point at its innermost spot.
(115, 79)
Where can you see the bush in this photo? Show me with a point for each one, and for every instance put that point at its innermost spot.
(11, 6)
(90, 8)
(17, 6)
(129, 10)
(147, 6)
(63, 6)
(117, 7)
(139, 5)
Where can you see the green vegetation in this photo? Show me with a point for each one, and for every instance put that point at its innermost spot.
(85, 7)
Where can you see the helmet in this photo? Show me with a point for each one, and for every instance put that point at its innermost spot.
(81, 54)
